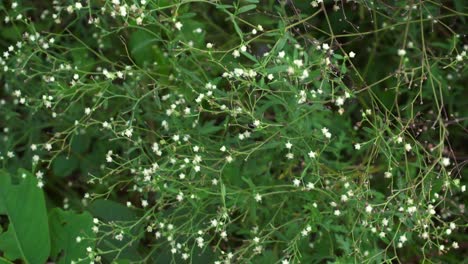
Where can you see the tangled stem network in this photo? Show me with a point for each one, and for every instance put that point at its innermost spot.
(247, 131)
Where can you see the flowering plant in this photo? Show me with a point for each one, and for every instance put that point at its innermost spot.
(208, 131)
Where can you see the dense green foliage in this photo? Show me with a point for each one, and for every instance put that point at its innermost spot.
(246, 131)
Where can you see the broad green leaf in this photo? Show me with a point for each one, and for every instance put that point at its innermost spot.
(80, 143)
(144, 49)
(65, 227)
(108, 211)
(9, 246)
(24, 205)
(112, 211)
(63, 166)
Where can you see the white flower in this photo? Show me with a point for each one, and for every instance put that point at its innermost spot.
(144, 203)
(408, 147)
(48, 146)
(344, 198)
(357, 146)
(312, 154)
(258, 197)
(340, 101)
(281, 54)
(40, 184)
(288, 145)
(411, 209)
(180, 196)
(209, 45)
(178, 25)
(445, 162)
(369, 208)
(399, 140)
(352, 54)
(306, 231)
(236, 54)
(401, 52)
(128, 132)
(296, 182)
(326, 133)
(298, 63)
(453, 225)
(139, 20)
(403, 238)
(325, 46)
(119, 237)
(305, 74)
(223, 234)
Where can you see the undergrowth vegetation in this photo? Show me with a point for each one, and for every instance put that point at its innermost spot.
(247, 131)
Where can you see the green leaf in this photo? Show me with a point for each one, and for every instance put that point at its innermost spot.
(80, 143)
(9, 246)
(343, 243)
(63, 166)
(210, 128)
(246, 8)
(24, 205)
(112, 211)
(65, 227)
(5, 261)
(109, 211)
(143, 49)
